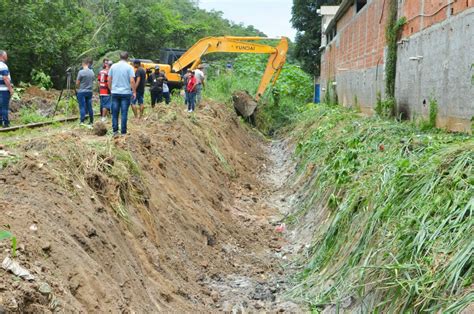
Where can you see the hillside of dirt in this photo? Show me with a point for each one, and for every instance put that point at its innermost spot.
(176, 216)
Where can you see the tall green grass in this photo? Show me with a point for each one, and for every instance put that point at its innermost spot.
(399, 235)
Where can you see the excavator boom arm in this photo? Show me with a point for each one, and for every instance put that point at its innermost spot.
(231, 44)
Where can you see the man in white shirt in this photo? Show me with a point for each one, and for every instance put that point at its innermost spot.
(122, 85)
(6, 90)
(200, 78)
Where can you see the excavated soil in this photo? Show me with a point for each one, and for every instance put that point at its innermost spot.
(178, 216)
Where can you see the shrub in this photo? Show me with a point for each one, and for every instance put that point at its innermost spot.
(41, 79)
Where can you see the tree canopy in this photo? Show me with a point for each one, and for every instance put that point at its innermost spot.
(308, 39)
(50, 36)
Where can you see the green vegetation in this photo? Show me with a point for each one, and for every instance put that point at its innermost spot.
(385, 107)
(7, 235)
(51, 36)
(40, 79)
(279, 104)
(308, 39)
(398, 212)
(31, 115)
(330, 96)
(392, 33)
(433, 112)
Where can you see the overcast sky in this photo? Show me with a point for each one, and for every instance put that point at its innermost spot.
(269, 16)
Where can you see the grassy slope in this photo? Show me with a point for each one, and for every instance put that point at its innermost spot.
(399, 203)
(400, 213)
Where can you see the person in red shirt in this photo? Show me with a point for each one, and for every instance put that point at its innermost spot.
(104, 91)
(191, 88)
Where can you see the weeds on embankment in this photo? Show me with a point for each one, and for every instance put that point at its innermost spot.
(399, 206)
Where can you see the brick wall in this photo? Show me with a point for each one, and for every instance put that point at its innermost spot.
(355, 58)
(359, 45)
(422, 14)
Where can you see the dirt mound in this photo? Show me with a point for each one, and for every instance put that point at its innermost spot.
(244, 104)
(160, 220)
(42, 101)
(99, 129)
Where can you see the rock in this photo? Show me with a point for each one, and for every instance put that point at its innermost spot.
(215, 296)
(2, 310)
(45, 288)
(258, 305)
(227, 307)
(91, 233)
(347, 302)
(99, 129)
(263, 293)
(46, 247)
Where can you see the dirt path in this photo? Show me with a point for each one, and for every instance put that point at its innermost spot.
(178, 216)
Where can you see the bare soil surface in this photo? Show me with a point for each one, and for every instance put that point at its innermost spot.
(181, 215)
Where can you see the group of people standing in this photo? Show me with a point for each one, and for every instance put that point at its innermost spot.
(193, 84)
(120, 85)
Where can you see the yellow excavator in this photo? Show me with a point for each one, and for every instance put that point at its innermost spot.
(230, 44)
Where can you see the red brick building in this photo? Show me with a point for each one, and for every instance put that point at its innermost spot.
(435, 57)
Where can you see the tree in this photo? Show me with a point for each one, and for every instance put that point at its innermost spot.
(308, 39)
(50, 36)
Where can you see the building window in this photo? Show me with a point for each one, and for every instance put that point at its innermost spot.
(360, 4)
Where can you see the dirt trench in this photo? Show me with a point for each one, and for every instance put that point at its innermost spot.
(178, 216)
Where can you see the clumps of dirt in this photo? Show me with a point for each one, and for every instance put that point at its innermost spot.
(164, 219)
(44, 101)
(99, 128)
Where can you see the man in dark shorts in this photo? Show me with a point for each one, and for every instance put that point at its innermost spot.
(104, 91)
(140, 80)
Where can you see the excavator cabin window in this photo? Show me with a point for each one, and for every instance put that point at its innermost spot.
(360, 4)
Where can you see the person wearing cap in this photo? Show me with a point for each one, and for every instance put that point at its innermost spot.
(140, 80)
(104, 91)
(191, 87)
(156, 80)
(200, 78)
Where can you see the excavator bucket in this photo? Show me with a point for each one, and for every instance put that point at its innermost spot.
(244, 104)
